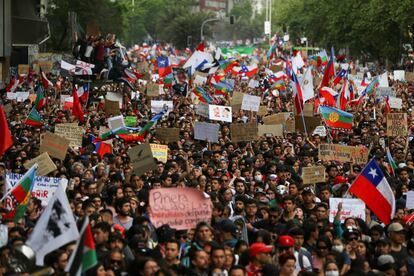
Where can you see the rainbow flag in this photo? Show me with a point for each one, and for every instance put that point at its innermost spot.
(34, 118)
(17, 198)
(336, 118)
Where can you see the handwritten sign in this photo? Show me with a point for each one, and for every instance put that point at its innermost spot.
(23, 69)
(397, 124)
(71, 132)
(352, 207)
(243, 132)
(340, 153)
(201, 109)
(385, 91)
(55, 145)
(18, 96)
(276, 119)
(46, 164)
(153, 90)
(395, 102)
(262, 110)
(206, 131)
(236, 101)
(168, 135)
(180, 208)
(220, 113)
(409, 203)
(116, 122)
(312, 175)
(250, 103)
(275, 130)
(159, 152)
(311, 123)
(409, 76)
(44, 187)
(157, 106)
(142, 159)
(399, 75)
(112, 107)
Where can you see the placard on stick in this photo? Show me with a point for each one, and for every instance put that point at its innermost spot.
(243, 132)
(275, 130)
(276, 119)
(312, 175)
(46, 165)
(71, 132)
(142, 159)
(397, 124)
(167, 135)
(53, 144)
(340, 153)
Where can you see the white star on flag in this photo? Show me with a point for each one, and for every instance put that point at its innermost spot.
(373, 172)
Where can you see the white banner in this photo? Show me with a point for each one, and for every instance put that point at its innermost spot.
(351, 207)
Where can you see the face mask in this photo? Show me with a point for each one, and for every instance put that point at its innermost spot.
(338, 248)
(332, 273)
(258, 177)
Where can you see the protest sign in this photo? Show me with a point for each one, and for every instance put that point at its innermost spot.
(308, 110)
(340, 153)
(250, 103)
(53, 144)
(253, 83)
(201, 109)
(276, 119)
(167, 135)
(395, 102)
(23, 69)
(112, 107)
(396, 124)
(46, 165)
(157, 106)
(180, 208)
(18, 96)
(199, 79)
(351, 208)
(409, 203)
(236, 101)
(206, 131)
(409, 76)
(276, 68)
(320, 130)
(159, 152)
(243, 132)
(43, 188)
(312, 175)
(276, 130)
(142, 159)
(311, 123)
(385, 91)
(116, 122)
(262, 110)
(153, 90)
(130, 121)
(290, 125)
(71, 132)
(399, 75)
(115, 97)
(220, 113)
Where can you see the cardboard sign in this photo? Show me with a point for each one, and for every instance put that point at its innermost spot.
(112, 107)
(180, 208)
(409, 203)
(290, 125)
(23, 69)
(311, 123)
(308, 110)
(262, 110)
(275, 130)
(55, 145)
(46, 164)
(243, 132)
(157, 106)
(116, 122)
(159, 152)
(143, 67)
(115, 97)
(250, 103)
(409, 76)
(153, 90)
(395, 103)
(385, 91)
(397, 124)
(312, 175)
(71, 132)
(340, 153)
(168, 135)
(253, 84)
(320, 130)
(44, 187)
(236, 101)
(276, 119)
(142, 159)
(352, 207)
(130, 121)
(201, 109)
(206, 131)
(220, 113)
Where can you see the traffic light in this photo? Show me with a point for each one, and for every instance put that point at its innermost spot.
(231, 19)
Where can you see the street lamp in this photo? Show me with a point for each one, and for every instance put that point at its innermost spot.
(204, 23)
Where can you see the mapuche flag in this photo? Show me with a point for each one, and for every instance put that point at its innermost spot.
(336, 118)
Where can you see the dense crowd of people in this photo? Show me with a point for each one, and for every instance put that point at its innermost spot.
(265, 221)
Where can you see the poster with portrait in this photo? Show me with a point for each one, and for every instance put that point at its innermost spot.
(220, 113)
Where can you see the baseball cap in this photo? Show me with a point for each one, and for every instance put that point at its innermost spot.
(286, 241)
(395, 227)
(385, 259)
(308, 190)
(272, 177)
(259, 247)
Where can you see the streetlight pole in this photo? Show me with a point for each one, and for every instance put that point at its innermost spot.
(203, 24)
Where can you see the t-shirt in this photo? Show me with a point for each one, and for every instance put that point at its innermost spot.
(400, 256)
(125, 225)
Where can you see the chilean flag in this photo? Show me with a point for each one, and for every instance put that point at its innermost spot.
(372, 187)
(340, 76)
(83, 93)
(45, 81)
(329, 71)
(164, 67)
(248, 71)
(297, 92)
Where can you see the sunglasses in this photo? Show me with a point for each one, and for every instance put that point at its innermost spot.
(352, 238)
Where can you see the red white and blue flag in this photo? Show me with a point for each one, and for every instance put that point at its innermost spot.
(83, 93)
(372, 187)
(248, 71)
(164, 67)
(340, 76)
(297, 93)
